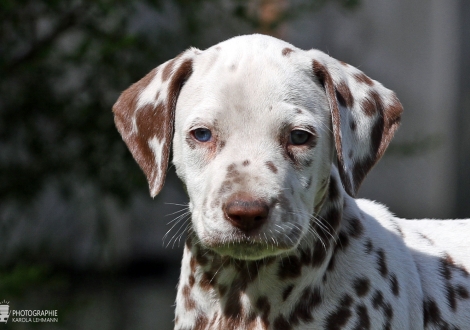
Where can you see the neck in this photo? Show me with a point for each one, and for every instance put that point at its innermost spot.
(229, 292)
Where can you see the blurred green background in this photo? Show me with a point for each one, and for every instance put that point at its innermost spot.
(78, 230)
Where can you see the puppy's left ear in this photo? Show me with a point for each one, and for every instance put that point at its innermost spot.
(144, 115)
(365, 115)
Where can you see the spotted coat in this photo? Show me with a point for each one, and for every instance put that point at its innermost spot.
(273, 143)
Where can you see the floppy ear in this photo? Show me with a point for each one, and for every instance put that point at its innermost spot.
(365, 115)
(144, 115)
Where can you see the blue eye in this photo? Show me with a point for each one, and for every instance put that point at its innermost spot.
(202, 134)
(298, 137)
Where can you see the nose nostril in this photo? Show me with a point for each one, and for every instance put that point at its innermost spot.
(245, 212)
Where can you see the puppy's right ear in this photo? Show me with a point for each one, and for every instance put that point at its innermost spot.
(144, 115)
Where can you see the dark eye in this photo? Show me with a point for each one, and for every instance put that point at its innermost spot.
(298, 137)
(202, 134)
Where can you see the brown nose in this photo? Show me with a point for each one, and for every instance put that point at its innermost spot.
(246, 212)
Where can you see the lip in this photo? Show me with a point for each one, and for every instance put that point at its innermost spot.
(247, 247)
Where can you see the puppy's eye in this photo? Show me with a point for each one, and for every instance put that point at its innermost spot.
(298, 137)
(202, 134)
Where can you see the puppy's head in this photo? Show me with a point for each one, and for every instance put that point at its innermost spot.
(256, 125)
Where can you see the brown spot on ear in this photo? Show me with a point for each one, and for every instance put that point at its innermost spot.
(166, 73)
(298, 111)
(344, 95)
(271, 166)
(361, 77)
(246, 162)
(361, 285)
(286, 51)
(369, 106)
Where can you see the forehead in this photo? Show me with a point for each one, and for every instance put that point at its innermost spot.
(252, 76)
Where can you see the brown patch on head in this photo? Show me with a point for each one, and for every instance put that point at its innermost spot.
(270, 165)
(286, 51)
(246, 162)
(340, 317)
(298, 111)
(361, 285)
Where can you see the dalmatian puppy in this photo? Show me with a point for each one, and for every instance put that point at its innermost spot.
(272, 143)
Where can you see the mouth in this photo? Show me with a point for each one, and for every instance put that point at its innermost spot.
(247, 247)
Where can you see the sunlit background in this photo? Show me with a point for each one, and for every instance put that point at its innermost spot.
(79, 232)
